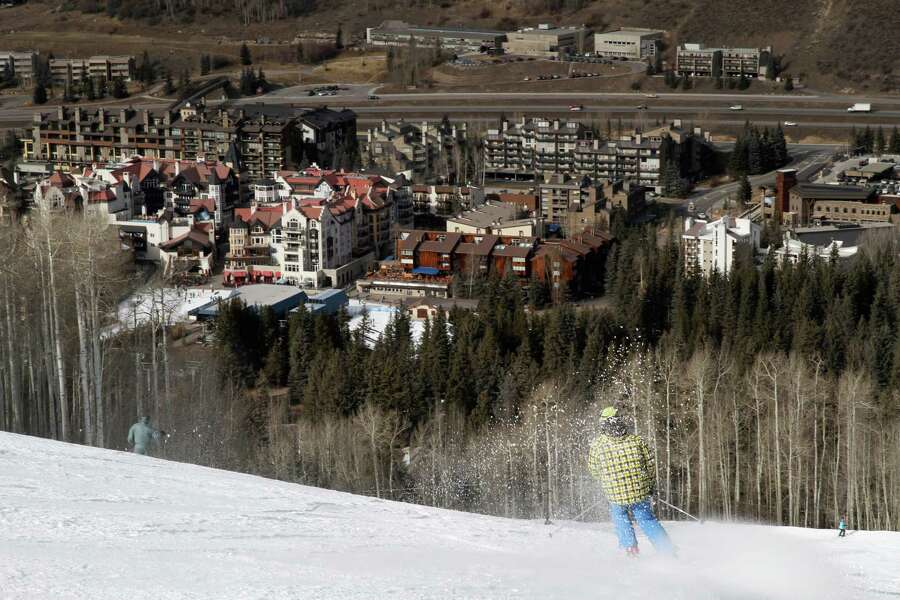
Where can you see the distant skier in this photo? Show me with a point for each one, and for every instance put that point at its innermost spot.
(842, 528)
(141, 435)
(624, 466)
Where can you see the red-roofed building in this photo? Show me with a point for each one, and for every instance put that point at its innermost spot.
(565, 266)
(190, 254)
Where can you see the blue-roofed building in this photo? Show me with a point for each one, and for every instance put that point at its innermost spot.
(328, 302)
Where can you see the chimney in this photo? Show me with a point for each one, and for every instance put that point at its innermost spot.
(60, 112)
(688, 223)
(177, 167)
(424, 132)
(785, 179)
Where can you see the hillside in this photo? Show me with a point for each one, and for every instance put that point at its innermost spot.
(85, 523)
(843, 45)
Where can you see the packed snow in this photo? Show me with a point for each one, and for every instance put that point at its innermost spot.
(167, 305)
(379, 317)
(85, 523)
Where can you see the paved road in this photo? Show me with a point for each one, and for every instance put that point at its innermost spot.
(808, 111)
(806, 160)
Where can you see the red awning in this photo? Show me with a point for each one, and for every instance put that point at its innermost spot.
(236, 273)
(263, 273)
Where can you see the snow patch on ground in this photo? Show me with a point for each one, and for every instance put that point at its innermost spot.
(379, 317)
(84, 523)
(167, 305)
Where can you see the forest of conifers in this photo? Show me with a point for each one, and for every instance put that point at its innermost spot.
(770, 394)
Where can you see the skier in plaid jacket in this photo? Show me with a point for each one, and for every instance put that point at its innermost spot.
(623, 464)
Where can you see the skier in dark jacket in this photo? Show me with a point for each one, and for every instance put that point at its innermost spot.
(142, 435)
(623, 464)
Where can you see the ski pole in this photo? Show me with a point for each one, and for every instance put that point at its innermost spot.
(578, 516)
(672, 506)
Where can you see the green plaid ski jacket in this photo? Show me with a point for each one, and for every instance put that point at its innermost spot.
(624, 467)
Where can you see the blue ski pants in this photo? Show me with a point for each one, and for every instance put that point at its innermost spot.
(643, 514)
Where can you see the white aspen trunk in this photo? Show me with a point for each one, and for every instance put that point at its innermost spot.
(57, 339)
(15, 395)
(84, 371)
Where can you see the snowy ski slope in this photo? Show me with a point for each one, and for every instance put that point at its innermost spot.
(82, 523)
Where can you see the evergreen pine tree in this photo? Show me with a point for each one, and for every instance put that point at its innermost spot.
(894, 143)
(204, 64)
(879, 144)
(246, 59)
(261, 83)
(754, 153)
(737, 163)
(745, 190)
(780, 155)
(119, 90)
(87, 88)
(40, 94)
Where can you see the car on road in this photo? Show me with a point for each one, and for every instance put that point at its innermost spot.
(576, 107)
(650, 96)
(641, 107)
(735, 107)
(373, 97)
(790, 124)
(526, 79)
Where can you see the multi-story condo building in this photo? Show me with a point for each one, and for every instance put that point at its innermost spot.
(713, 246)
(254, 143)
(548, 41)
(445, 200)
(560, 195)
(457, 40)
(426, 152)
(497, 218)
(20, 64)
(632, 43)
(696, 60)
(328, 137)
(63, 70)
(315, 227)
(527, 150)
(428, 257)
(266, 144)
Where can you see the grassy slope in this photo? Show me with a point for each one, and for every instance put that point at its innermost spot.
(850, 45)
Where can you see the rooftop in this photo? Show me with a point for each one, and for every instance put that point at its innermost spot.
(633, 30)
(820, 191)
(267, 294)
(490, 214)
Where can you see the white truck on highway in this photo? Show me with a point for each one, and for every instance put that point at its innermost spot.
(860, 107)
